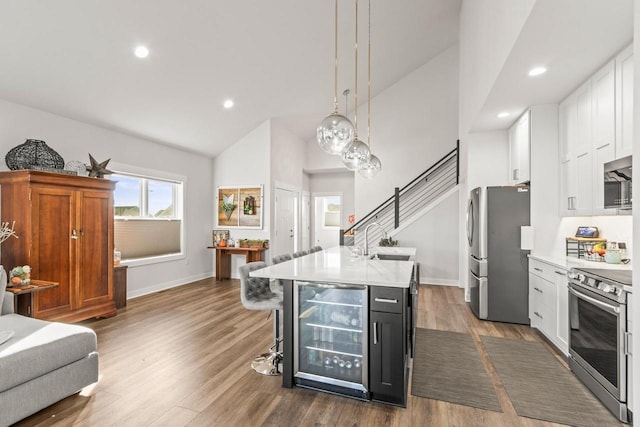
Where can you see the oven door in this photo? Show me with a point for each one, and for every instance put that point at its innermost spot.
(596, 338)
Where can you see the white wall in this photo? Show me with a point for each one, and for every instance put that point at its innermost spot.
(414, 123)
(435, 235)
(488, 162)
(338, 182)
(74, 140)
(245, 163)
(488, 31)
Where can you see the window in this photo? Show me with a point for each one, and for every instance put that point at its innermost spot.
(331, 212)
(148, 216)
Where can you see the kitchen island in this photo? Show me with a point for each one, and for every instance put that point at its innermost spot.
(347, 322)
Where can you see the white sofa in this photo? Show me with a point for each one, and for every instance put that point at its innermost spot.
(42, 363)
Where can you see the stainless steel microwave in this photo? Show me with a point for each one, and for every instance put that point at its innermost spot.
(617, 183)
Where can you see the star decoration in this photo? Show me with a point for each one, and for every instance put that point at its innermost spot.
(96, 169)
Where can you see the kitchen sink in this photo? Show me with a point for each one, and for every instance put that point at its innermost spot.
(390, 257)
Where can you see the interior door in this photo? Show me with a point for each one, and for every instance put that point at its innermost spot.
(305, 221)
(327, 220)
(286, 225)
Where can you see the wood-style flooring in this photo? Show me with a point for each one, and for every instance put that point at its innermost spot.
(181, 358)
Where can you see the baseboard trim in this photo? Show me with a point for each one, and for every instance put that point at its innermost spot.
(440, 282)
(166, 285)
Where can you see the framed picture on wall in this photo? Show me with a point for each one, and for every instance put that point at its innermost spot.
(240, 206)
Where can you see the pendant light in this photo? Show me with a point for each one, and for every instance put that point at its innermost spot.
(371, 168)
(356, 154)
(336, 131)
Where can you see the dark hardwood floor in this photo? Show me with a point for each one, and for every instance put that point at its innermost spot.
(181, 357)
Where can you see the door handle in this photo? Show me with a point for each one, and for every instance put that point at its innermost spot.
(387, 300)
(375, 333)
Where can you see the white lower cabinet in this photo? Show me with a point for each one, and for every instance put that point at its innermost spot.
(548, 302)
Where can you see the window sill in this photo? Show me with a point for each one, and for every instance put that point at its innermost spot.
(137, 262)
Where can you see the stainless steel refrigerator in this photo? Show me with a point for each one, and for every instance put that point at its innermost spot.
(498, 273)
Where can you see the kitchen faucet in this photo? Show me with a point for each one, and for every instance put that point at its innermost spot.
(366, 236)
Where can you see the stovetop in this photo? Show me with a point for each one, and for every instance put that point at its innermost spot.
(621, 277)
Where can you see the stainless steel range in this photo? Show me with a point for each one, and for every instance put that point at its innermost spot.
(599, 342)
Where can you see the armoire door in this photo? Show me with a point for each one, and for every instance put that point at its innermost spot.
(95, 247)
(52, 254)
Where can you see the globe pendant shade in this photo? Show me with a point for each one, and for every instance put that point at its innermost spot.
(356, 155)
(335, 133)
(370, 169)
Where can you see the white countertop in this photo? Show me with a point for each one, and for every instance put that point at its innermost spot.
(336, 265)
(568, 262)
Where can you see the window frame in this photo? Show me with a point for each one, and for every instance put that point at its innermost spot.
(179, 208)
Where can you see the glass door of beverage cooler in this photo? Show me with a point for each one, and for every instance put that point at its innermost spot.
(331, 337)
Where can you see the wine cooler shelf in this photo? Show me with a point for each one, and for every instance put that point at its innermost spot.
(342, 367)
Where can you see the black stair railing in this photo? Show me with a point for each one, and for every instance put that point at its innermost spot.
(406, 201)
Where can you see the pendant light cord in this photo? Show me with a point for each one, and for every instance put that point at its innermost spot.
(369, 84)
(355, 107)
(335, 68)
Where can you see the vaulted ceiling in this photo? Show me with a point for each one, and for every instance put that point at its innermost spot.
(273, 58)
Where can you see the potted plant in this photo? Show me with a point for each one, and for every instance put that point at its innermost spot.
(387, 241)
(228, 209)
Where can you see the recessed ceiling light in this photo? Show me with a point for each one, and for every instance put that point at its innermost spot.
(228, 103)
(141, 51)
(537, 71)
(503, 115)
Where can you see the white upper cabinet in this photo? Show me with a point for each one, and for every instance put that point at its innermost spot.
(576, 175)
(596, 126)
(603, 126)
(624, 103)
(520, 150)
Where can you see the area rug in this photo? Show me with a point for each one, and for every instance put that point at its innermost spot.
(447, 367)
(540, 387)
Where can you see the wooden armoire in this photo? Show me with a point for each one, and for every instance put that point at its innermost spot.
(64, 225)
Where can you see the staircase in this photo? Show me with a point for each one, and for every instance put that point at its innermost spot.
(410, 201)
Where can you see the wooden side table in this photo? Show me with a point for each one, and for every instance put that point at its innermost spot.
(223, 258)
(120, 285)
(23, 302)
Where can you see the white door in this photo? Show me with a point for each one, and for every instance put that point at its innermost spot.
(286, 226)
(327, 220)
(305, 221)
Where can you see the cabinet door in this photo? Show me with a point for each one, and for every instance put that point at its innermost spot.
(535, 296)
(387, 357)
(562, 298)
(513, 153)
(624, 103)
(567, 187)
(603, 124)
(53, 251)
(95, 251)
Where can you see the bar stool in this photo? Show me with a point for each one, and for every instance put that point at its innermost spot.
(280, 258)
(298, 254)
(256, 294)
(315, 249)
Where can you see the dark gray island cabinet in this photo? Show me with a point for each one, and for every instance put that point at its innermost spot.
(347, 325)
(388, 344)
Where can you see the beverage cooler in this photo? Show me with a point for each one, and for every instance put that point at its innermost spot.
(330, 330)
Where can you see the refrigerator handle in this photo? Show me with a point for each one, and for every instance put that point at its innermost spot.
(470, 222)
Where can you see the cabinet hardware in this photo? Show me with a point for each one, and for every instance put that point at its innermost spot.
(538, 314)
(562, 273)
(537, 269)
(516, 174)
(387, 300)
(74, 234)
(537, 289)
(375, 333)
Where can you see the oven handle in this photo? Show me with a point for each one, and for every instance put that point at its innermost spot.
(609, 308)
